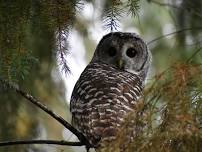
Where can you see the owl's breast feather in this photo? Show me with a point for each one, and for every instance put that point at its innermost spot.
(102, 98)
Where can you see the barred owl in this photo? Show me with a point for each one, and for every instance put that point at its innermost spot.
(109, 87)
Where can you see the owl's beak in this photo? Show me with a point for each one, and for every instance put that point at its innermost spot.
(120, 64)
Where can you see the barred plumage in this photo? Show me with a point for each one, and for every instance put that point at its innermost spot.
(106, 91)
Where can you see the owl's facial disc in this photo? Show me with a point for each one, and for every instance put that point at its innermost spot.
(112, 52)
(121, 63)
(131, 52)
(114, 58)
(125, 51)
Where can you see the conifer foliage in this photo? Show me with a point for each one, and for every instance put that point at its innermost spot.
(44, 25)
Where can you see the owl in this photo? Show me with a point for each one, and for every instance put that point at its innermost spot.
(109, 87)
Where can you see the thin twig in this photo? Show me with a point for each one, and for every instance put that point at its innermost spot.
(49, 142)
(39, 104)
(164, 4)
(173, 33)
(177, 7)
(194, 54)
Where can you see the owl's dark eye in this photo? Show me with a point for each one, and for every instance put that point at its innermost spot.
(131, 52)
(111, 51)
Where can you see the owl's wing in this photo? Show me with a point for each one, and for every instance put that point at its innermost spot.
(101, 98)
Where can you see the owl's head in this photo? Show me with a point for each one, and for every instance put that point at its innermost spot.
(125, 51)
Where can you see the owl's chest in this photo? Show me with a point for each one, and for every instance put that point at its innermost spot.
(102, 99)
(108, 89)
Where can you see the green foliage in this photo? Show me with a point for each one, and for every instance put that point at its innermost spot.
(27, 40)
(169, 118)
(43, 25)
(174, 110)
(13, 53)
(133, 7)
(115, 9)
(23, 25)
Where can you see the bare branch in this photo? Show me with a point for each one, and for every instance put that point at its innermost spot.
(164, 4)
(176, 7)
(174, 33)
(194, 54)
(39, 104)
(49, 142)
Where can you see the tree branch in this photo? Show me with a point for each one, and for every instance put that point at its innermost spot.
(39, 104)
(163, 4)
(173, 33)
(176, 7)
(194, 54)
(49, 142)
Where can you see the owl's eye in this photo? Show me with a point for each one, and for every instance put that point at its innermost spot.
(131, 52)
(111, 51)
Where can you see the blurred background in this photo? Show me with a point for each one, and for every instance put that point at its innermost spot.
(45, 45)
